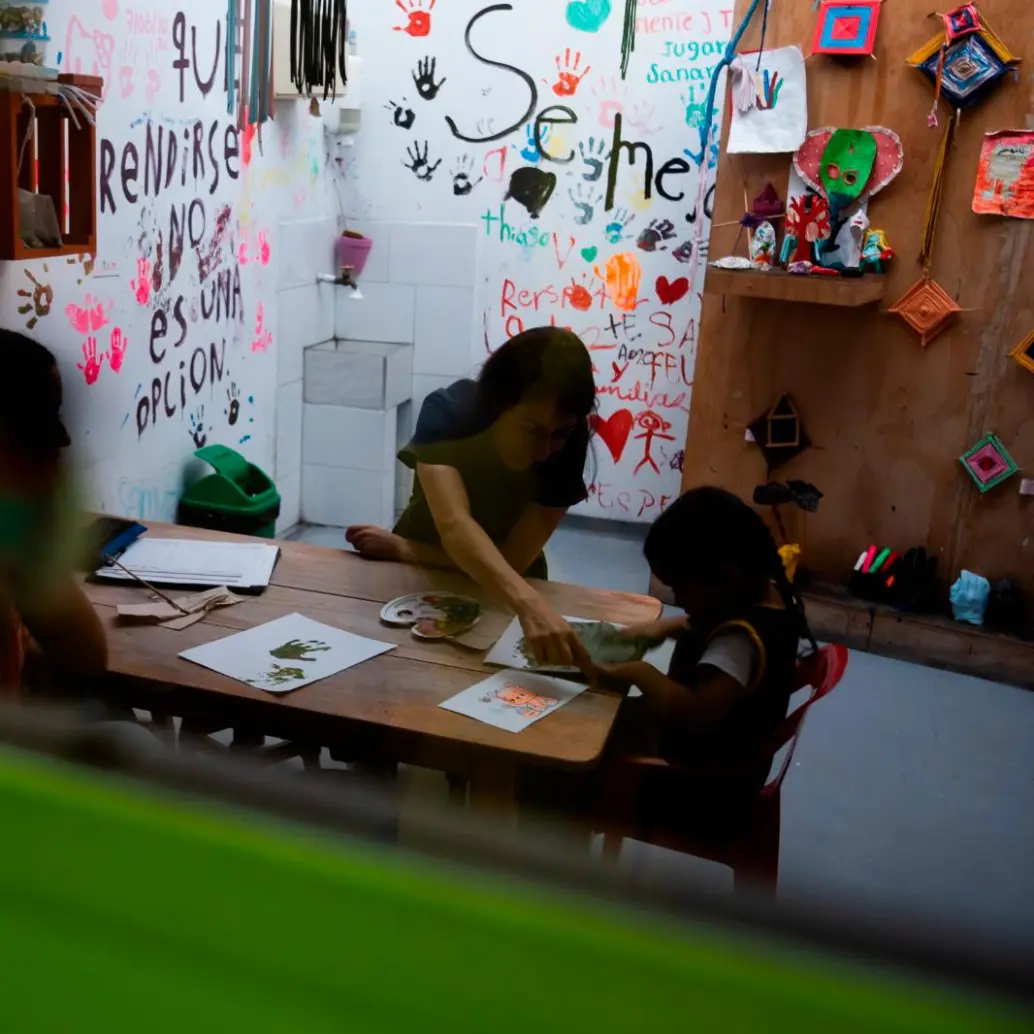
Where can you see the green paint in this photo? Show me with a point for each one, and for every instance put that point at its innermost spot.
(847, 164)
(295, 650)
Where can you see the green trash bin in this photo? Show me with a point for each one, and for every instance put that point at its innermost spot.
(238, 497)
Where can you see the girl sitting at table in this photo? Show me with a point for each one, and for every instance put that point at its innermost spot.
(41, 606)
(731, 675)
(498, 463)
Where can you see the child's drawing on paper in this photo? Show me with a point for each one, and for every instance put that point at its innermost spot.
(525, 702)
(296, 651)
(1005, 175)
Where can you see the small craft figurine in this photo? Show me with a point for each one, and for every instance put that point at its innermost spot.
(807, 222)
(763, 246)
(988, 463)
(846, 167)
(768, 204)
(876, 252)
(846, 28)
(779, 434)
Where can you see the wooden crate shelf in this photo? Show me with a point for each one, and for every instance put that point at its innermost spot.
(61, 163)
(780, 286)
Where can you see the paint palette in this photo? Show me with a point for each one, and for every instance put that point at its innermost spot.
(432, 615)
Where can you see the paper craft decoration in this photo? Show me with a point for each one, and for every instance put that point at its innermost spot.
(605, 643)
(965, 61)
(768, 204)
(927, 308)
(807, 221)
(770, 102)
(846, 28)
(779, 433)
(1023, 353)
(1005, 175)
(876, 252)
(763, 246)
(513, 700)
(168, 616)
(988, 463)
(286, 654)
(432, 615)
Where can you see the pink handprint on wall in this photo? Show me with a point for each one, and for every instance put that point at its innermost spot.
(117, 349)
(142, 285)
(263, 338)
(265, 252)
(91, 364)
(88, 318)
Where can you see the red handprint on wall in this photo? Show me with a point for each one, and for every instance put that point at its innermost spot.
(91, 364)
(569, 75)
(418, 21)
(88, 318)
(265, 252)
(117, 349)
(141, 287)
(263, 338)
(654, 426)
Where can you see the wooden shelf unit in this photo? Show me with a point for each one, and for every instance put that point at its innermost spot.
(779, 286)
(61, 163)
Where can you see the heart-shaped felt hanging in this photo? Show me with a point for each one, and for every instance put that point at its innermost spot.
(614, 430)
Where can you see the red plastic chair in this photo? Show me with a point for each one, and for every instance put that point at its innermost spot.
(753, 851)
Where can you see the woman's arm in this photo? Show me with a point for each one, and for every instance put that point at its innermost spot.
(551, 638)
(67, 629)
(528, 537)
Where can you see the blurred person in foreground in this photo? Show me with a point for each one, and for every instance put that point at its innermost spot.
(44, 614)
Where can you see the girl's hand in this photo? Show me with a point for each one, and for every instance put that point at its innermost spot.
(376, 543)
(656, 631)
(551, 639)
(618, 677)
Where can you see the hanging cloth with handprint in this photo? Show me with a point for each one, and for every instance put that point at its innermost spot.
(770, 114)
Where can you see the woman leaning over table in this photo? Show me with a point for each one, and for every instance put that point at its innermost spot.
(498, 463)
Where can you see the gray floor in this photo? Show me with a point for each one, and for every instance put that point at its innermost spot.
(912, 791)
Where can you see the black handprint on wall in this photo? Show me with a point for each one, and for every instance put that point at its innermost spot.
(654, 236)
(593, 156)
(233, 404)
(419, 163)
(684, 252)
(424, 79)
(462, 184)
(197, 428)
(402, 117)
(585, 201)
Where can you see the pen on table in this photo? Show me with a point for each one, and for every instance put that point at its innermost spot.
(147, 585)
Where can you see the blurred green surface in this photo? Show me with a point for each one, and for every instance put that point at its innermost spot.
(125, 910)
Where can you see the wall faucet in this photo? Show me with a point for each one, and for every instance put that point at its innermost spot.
(344, 278)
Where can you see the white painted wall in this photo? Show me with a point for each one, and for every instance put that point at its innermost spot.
(279, 234)
(460, 266)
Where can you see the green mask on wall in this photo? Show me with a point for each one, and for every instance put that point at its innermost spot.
(847, 164)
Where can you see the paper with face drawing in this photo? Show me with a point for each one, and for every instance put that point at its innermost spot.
(286, 654)
(513, 700)
(1005, 175)
(770, 102)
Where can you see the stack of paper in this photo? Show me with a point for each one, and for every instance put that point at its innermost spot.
(239, 565)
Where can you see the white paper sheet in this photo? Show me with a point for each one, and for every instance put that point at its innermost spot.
(508, 652)
(513, 700)
(778, 122)
(286, 654)
(238, 565)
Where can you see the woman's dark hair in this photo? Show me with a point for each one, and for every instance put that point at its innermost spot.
(548, 362)
(30, 398)
(705, 530)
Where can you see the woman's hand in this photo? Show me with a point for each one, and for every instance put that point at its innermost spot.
(551, 639)
(376, 543)
(656, 631)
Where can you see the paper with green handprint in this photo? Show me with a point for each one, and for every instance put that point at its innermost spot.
(605, 643)
(287, 654)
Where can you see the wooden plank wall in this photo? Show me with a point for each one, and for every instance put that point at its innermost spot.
(888, 421)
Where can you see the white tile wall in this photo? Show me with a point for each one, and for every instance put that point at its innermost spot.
(290, 489)
(433, 254)
(361, 439)
(306, 249)
(341, 497)
(444, 331)
(289, 430)
(305, 316)
(386, 312)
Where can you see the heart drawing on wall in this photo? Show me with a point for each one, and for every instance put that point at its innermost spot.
(614, 430)
(670, 291)
(588, 15)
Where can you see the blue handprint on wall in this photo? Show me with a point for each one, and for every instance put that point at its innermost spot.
(530, 152)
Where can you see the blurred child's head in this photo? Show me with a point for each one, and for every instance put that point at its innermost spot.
(31, 432)
(714, 552)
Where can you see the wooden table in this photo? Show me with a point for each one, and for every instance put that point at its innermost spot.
(386, 707)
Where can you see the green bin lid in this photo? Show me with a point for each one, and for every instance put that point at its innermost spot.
(237, 486)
